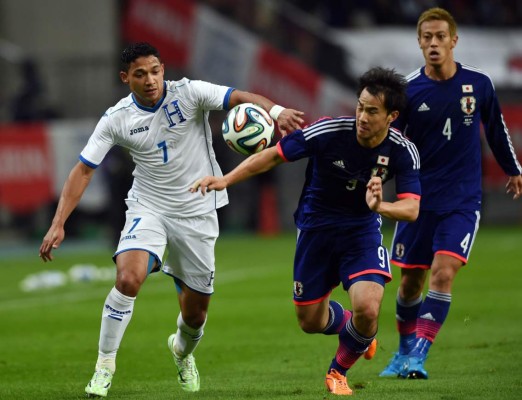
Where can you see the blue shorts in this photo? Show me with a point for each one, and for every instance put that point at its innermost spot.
(416, 243)
(325, 258)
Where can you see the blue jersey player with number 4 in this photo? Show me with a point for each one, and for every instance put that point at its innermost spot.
(447, 101)
(339, 214)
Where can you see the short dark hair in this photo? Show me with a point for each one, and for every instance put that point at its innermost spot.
(136, 50)
(387, 82)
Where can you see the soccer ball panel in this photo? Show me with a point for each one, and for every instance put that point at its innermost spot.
(248, 129)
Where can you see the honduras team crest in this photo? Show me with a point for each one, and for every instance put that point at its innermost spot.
(467, 104)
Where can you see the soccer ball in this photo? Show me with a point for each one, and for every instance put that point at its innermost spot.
(248, 129)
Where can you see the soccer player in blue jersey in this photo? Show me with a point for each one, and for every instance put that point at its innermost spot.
(339, 214)
(447, 101)
(164, 125)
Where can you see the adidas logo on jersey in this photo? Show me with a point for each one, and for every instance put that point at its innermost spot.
(339, 163)
(423, 107)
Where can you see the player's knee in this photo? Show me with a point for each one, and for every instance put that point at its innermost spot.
(367, 315)
(365, 318)
(442, 279)
(128, 283)
(195, 320)
(309, 326)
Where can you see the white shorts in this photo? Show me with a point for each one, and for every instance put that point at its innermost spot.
(189, 242)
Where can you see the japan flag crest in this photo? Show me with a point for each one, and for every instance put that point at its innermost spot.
(467, 104)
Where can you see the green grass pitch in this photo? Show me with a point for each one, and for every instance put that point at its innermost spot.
(253, 348)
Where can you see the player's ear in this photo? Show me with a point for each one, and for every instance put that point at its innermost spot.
(454, 41)
(124, 77)
(392, 116)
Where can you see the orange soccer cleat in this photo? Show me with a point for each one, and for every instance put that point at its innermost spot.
(336, 383)
(371, 350)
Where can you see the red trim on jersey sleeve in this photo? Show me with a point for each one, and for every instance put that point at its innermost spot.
(280, 151)
(408, 196)
(450, 253)
(315, 301)
(371, 271)
(409, 266)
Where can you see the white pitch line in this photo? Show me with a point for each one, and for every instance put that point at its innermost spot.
(48, 299)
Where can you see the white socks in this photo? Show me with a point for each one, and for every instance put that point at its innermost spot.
(187, 338)
(116, 315)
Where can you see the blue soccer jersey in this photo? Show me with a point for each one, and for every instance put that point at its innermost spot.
(443, 120)
(334, 192)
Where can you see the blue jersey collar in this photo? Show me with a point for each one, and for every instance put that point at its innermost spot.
(158, 104)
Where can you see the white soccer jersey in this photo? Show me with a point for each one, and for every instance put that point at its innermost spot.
(171, 145)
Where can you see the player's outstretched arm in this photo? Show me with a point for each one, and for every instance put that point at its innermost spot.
(287, 119)
(406, 209)
(514, 185)
(253, 165)
(72, 192)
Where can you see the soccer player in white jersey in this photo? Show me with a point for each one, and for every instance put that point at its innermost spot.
(164, 125)
(447, 102)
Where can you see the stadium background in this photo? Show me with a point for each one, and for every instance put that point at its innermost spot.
(60, 73)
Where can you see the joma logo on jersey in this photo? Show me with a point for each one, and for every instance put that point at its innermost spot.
(467, 104)
(127, 237)
(139, 130)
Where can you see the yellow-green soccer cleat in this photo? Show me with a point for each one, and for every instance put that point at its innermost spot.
(188, 375)
(100, 383)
